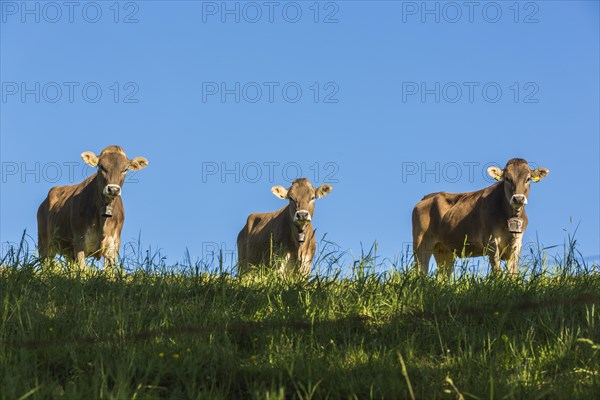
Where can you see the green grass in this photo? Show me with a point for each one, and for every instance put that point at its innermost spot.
(391, 335)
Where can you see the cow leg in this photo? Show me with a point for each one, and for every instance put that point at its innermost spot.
(46, 252)
(43, 249)
(516, 244)
(42, 224)
(495, 263)
(80, 257)
(287, 264)
(242, 264)
(444, 259)
(422, 253)
(305, 266)
(494, 256)
(109, 262)
(111, 252)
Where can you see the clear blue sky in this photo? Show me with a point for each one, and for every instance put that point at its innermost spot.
(371, 131)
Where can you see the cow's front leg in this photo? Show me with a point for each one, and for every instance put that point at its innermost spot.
(80, 257)
(494, 255)
(305, 266)
(110, 248)
(516, 245)
(286, 264)
(109, 262)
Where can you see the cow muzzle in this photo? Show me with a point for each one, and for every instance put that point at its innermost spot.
(302, 217)
(518, 200)
(112, 190)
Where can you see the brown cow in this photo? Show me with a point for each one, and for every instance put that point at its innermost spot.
(490, 221)
(285, 237)
(86, 219)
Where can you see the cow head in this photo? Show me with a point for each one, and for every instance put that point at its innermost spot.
(517, 176)
(302, 197)
(112, 165)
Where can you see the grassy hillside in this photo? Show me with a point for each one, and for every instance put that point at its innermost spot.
(393, 335)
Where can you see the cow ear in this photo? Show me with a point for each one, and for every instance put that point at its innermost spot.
(323, 191)
(495, 172)
(89, 158)
(280, 192)
(138, 163)
(538, 174)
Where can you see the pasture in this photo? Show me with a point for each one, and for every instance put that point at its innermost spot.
(427, 124)
(158, 333)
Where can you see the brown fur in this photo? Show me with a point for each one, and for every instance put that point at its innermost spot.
(451, 225)
(272, 238)
(70, 220)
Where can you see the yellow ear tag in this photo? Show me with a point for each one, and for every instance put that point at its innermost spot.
(536, 179)
(498, 177)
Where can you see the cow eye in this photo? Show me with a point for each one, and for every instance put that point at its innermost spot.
(102, 168)
(528, 179)
(312, 198)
